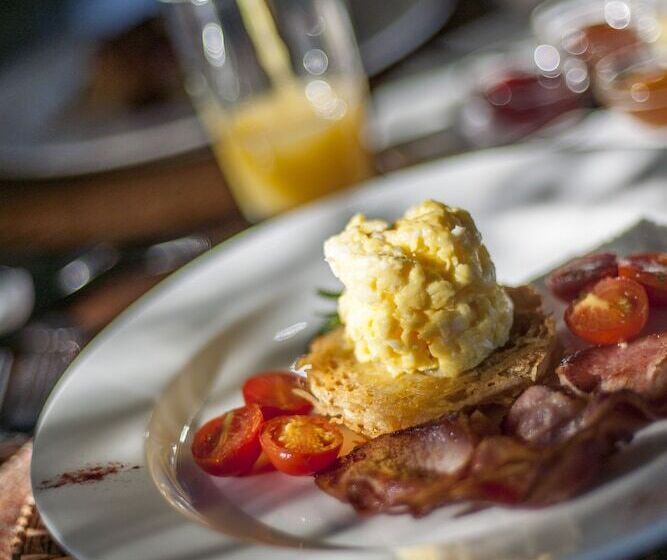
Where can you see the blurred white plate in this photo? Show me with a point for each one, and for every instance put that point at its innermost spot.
(40, 139)
(180, 354)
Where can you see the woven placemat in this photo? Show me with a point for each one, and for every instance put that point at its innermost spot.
(31, 540)
(22, 533)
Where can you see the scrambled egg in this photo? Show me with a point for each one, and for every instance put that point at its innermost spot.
(420, 296)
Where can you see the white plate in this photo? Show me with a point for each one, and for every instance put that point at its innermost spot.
(181, 353)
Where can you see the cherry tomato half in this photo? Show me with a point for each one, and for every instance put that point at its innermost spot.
(274, 393)
(229, 445)
(616, 309)
(571, 279)
(650, 270)
(300, 445)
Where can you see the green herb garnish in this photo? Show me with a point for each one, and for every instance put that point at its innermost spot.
(331, 323)
(331, 320)
(328, 294)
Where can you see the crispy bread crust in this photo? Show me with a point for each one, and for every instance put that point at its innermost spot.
(366, 399)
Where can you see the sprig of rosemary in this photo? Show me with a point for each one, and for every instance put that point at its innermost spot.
(331, 320)
(328, 294)
(331, 323)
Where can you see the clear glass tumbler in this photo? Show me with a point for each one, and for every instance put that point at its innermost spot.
(280, 89)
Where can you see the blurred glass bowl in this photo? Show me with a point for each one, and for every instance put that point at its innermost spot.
(634, 80)
(592, 29)
(520, 90)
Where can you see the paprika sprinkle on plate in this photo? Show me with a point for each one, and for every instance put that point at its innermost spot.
(87, 475)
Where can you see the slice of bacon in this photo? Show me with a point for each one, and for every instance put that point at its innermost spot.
(402, 470)
(582, 443)
(540, 460)
(639, 366)
(542, 416)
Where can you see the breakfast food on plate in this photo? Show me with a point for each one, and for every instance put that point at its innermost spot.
(427, 330)
(613, 310)
(449, 373)
(228, 445)
(367, 399)
(550, 449)
(650, 270)
(274, 421)
(300, 445)
(639, 366)
(549, 444)
(571, 279)
(610, 299)
(420, 296)
(276, 393)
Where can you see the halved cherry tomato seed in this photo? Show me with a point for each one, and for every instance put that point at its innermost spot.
(301, 445)
(228, 445)
(614, 310)
(571, 279)
(274, 392)
(650, 270)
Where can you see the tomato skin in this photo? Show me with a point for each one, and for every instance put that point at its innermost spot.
(273, 392)
(614, 310)
(574, 277)
(303, 458)
(650, 270)
(228, 445)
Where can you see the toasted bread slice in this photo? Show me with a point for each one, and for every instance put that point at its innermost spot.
(368, 400)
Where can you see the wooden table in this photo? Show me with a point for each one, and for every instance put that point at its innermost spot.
(129, 206)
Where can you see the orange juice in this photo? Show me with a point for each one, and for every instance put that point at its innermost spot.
(292, 145)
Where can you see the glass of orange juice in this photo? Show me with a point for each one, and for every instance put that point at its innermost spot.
(279, 87)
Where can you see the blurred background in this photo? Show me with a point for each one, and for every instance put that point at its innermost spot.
(134, 134)
(107, 178)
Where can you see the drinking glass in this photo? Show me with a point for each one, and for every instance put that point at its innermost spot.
(280, 90)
